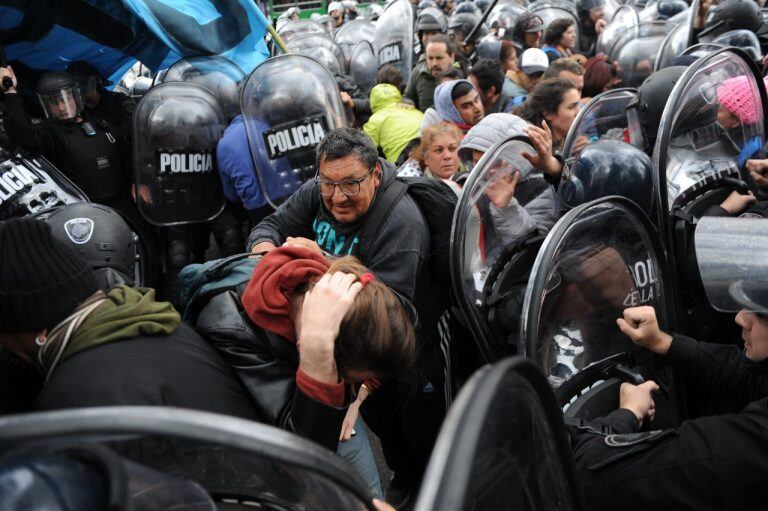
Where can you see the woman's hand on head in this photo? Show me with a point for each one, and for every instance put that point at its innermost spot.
(322, 312)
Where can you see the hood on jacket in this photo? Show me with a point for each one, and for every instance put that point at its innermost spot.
(444, 104)
(384, 95)
(490, 130)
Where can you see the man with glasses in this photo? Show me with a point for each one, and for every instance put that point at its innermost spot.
(330, 214)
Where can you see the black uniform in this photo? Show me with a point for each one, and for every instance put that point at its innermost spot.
(99, 164)
(717, 462)
(117, 110)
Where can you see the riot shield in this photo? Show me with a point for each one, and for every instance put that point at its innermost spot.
(600, 258)
(623, 19)
(495, 236)
(239, 464)
(30, 184)
(550, 10)
(363, 65)
(219, 75)
(289, 103)
(321, 48)
(635, 51)
(350, 34)
(731, 256)
(744, 39)
(176, 127)
(605, 117)
(295, 28)
(706, 134)
(503, 18)
(675, 43)
(393, 39)
(502, 446)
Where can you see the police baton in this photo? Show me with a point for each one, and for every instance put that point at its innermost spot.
(7, 80)
(470, 38)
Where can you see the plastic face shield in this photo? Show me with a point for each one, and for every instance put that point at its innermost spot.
(61, 104)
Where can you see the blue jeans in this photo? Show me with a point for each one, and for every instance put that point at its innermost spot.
(357, 451)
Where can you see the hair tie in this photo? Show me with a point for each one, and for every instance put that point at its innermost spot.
(366, 277)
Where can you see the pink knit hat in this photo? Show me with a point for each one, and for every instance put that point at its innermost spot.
(735, 94)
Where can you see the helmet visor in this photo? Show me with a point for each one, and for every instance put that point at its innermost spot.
(61, 104)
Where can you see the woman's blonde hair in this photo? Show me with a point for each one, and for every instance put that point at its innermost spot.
(428, 136)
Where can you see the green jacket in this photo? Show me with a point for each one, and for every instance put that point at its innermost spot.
(421, 87)
(393, 125)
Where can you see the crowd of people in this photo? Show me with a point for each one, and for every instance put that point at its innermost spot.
(344, 326)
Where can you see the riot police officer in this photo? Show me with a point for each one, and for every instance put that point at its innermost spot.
(86, 149)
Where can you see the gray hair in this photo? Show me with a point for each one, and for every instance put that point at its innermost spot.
(342, 142)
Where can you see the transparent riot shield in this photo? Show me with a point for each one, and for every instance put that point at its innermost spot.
(219, 75)
(730, 253)
(289, 103)
(600, 258)
(295, 28)
(605, 117)
(623, 19)
(550, 10)
(496, 230)
(502, 446)
(636, 49)
(675, 42)
(744, 39)
(393, 40)
(353, 32)
(321, 48)
(176, 127)
(706, 135)
(239, 464)
(363, 65)
(503, 18)
(30, 184)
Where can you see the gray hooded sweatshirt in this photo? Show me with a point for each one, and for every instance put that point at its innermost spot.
(537, 213)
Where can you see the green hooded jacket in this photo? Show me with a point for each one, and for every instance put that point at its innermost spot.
(393, 124)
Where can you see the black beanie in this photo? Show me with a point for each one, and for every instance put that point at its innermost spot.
(42, 280)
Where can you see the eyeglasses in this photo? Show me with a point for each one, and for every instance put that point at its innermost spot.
(349, 187)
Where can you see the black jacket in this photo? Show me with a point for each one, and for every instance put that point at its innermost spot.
(397, 256)
(179, 370)
(718, 462)
(266, 365)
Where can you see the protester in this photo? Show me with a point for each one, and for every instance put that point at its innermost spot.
(437, 155)
(560, 39)
(568, 70)
(336, 12)
(393, 124)
(528, 31)
(510, 66)
(600, 75)
(316, 330)
(441, 55)
(533, 63)
(95, 348)
(456, 102)
(554, 101)
(487, 77)
(362, 106)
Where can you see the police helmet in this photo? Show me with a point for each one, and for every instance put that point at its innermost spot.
(101, 236)
(59, 95)
(652, 97)
(489, 49)
(732, 15)
(425, 4)
(609, 167)
(464, 22)
(465, 8)
(431, 19)
(176, 124)
(669, 8)
(482, 4)
(584, 6)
